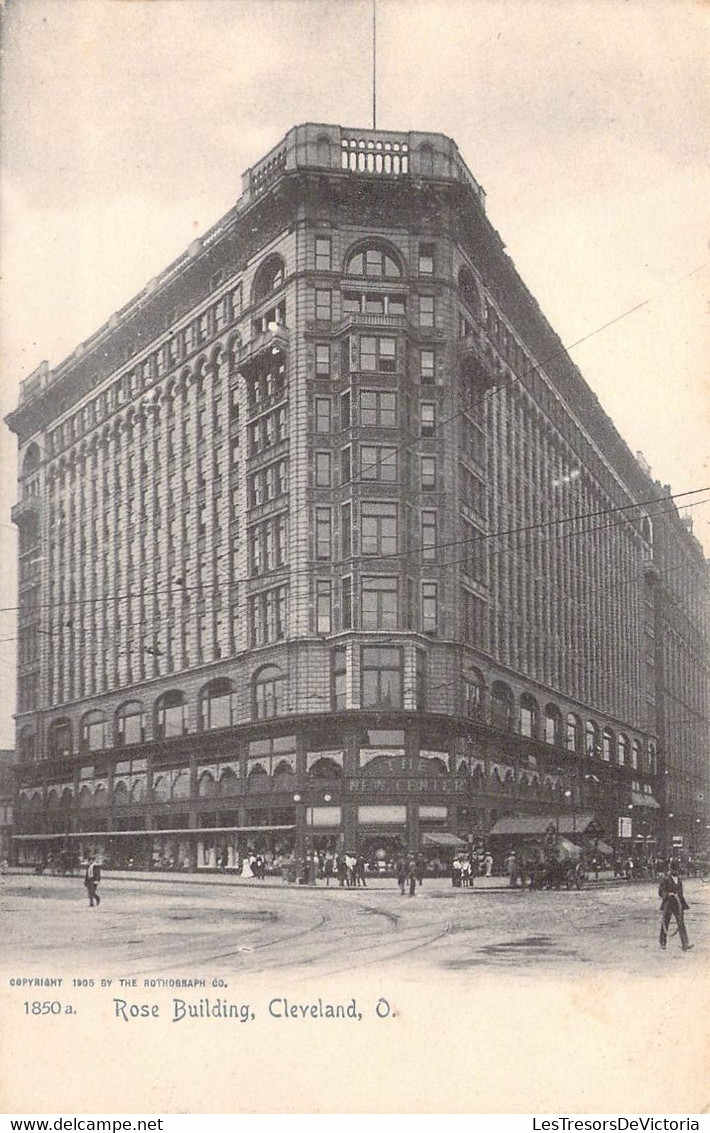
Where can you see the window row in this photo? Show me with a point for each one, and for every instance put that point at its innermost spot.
(372, 354)
(550, 726)
(379, 532)
(378, 409)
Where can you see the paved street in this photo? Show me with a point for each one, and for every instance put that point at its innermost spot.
(216, 925)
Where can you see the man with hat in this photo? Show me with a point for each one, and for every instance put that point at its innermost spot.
(673, 904)
(92, 877)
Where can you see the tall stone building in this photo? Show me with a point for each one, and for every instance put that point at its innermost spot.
(324, 540)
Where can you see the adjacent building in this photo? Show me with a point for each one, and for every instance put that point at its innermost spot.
(7, 793)
(325, 541)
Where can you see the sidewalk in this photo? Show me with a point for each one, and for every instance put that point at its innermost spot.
(206, 877)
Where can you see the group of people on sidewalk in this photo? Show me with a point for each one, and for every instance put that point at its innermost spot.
(350, 871)
(465, 867)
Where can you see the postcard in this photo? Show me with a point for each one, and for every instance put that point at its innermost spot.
(354, 593)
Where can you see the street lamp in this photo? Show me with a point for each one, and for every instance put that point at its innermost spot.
(310, 853)
(570, 795)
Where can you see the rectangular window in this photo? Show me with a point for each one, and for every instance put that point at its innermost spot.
(378, 462)
(324, 302)
(282, 477)
(427, 418)
(323, 469)
(323, 533)
(339, 677)
(322, 408)
(426, 366)
(345, 410)
(323, 605)
(421, 679)
(379, 528)
(378, 408)
(347, 602)
(345, 466)
(323, 360)
(378, 354)
(426, 310)
(323, 253)
(428, 473)
(381, 677)
(429, 607)
(426, 259)
(346, 538)
(429, 536)
(379, 603)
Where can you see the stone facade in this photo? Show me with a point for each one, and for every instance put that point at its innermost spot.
(324, 538)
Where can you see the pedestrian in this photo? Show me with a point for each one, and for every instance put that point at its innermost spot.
(673, 904)
(511, 865)
(456, 873)
(342, 870)
(412, 876)
(328, 869)
(488, 863)
(402, 874)
(92, 877)
(360, 871)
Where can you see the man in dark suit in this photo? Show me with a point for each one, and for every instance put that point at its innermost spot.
(92, 877)
(673, 904)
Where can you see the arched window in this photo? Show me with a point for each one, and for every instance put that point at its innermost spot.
(284, 777)
(607, 744)
(636, 755)
(138, 791)
(228, 783)
(170, 715)
(94, 731)
(553, 724)
(269, 277)
(59, 744)
(473, 691)
(574, 733)
(26, 745)
(30, 462)
(528, 716)
(593, 745)
(373, 261)
(130, 728)
(509, 783)
(207, 786)
(217, 703)
(120, 793)
(100, 796)
(502, 703)
(161, 789)
(325, 768)
(269, 692)
(258, 779)
(86, 798)
(622, 750)
(180, 785)
(652, 759)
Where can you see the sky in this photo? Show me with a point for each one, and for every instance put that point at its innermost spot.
(125, 126)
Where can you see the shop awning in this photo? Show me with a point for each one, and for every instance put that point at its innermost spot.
(444, 839)
(196, 830)
(638, 798)
(537, 824)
